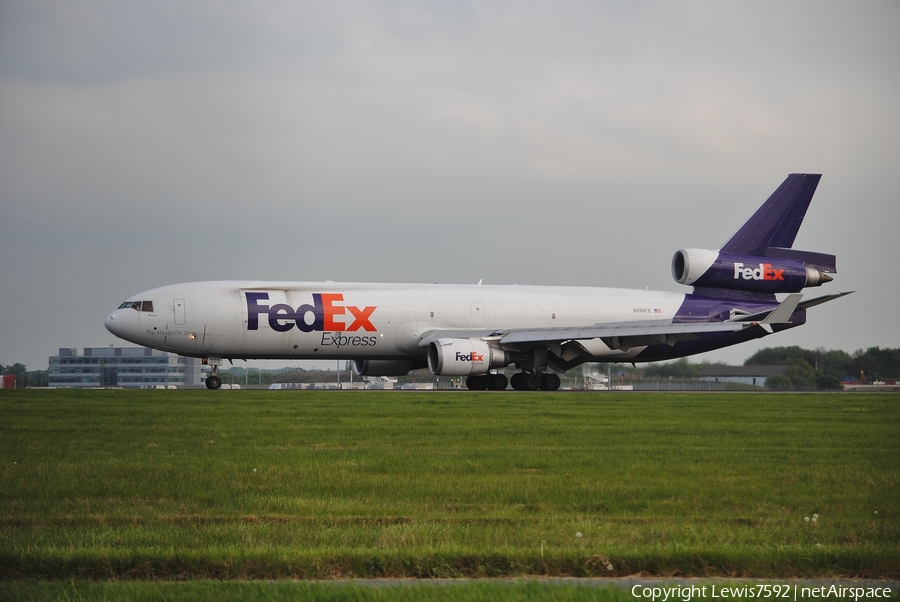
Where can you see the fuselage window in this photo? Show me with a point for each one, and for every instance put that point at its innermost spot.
(148, 306)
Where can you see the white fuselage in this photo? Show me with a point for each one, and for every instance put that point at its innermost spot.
(326, 320)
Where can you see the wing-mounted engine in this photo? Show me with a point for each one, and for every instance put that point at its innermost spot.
(462, 357)
(778, 271)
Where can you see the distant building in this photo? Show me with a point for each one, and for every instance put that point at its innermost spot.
(748, 375)
(132, 367)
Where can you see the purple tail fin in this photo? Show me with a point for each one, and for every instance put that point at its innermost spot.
(765, 240)
(776, 222)
(771, 230)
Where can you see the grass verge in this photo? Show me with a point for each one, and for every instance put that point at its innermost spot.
(318, 485)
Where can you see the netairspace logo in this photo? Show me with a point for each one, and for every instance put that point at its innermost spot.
(777, 591)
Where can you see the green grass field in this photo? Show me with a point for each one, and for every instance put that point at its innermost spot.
(173, 485)
(291, 591)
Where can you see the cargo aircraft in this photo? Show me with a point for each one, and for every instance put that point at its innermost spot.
(476, 330)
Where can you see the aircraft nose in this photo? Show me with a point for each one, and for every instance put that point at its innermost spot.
(113, 323)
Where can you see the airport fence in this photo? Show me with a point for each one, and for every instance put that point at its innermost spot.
(678, 385)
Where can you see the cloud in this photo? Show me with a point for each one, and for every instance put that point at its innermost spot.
(574, 143)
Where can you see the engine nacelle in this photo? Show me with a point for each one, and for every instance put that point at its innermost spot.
(382, 367)
(462, 357)
(713, 269)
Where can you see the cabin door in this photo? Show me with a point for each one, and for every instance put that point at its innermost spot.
(179, 311)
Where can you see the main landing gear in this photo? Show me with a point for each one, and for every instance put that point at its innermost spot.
(529, 381)
(521, 381)
(213, 381)
(484, 382)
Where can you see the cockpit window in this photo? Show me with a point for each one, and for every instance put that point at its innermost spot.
(138, 305)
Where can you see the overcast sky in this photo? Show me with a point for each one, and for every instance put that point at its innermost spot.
(571, 143)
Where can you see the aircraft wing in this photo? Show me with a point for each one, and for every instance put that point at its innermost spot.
(620, 336)
(617, 336)
(626, 335)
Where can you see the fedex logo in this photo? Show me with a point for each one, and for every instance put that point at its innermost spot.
(763, 272)
(469, 357)
(322, 315)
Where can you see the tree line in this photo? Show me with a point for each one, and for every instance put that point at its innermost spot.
(26, 377)
(806, 368)
(826, 369)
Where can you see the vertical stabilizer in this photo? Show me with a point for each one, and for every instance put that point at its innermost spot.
(758, 260)
(776, 222)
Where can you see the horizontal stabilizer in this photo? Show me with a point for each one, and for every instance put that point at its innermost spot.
(825, 299)
(762, 316)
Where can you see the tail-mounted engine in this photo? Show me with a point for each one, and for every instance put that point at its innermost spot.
(462, 357)
(769, 274)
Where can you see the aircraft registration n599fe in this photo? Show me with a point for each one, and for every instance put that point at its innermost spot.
(474, 330)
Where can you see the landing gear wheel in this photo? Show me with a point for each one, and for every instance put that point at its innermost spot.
(516, 381)
(497, 382)
(477, 382)
(532, 382)
(550, 382)
(525, 381)
(213, 380)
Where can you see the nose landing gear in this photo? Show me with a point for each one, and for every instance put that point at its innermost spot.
(213, 381)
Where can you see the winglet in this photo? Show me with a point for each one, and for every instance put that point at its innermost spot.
(782, 313)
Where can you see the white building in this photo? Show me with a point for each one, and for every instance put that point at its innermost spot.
(748, 375)
(132, 367)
